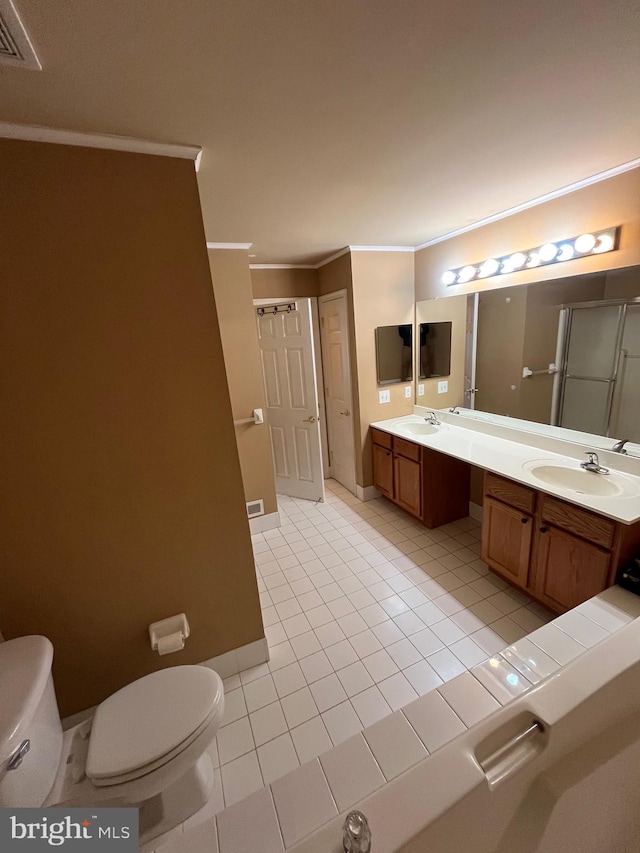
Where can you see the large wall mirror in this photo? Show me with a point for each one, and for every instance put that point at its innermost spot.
(563, 352)
(394, 354)
(434, 356)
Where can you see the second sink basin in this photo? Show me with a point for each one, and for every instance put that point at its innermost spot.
(582, 482)
(418, 428)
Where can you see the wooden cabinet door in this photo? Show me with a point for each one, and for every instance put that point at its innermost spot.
(506, 540)
(568, 570)
(383, 470)
(408, 485)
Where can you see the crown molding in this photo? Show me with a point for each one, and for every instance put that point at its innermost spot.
(40, 133)
(570, 188)
(333, 257)
(244, 246)
(382, 248)
(283, 267)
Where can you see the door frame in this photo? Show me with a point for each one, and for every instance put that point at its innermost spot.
(328, 297)
(317, 362)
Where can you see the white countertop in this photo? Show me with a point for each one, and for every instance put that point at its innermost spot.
(513, 453)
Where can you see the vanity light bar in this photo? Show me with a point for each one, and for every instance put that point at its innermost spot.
(550, 253)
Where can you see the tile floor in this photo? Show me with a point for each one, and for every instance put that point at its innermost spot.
(364, 611)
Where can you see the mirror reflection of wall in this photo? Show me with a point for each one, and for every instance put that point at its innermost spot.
(518, 328)
(394, 354)
(435, 350)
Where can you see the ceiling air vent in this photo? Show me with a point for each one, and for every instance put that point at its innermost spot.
(15, 46)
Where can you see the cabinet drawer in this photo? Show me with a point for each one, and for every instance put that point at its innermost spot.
(589, 526)
(381, 438)
(509, 492)
(406, 448)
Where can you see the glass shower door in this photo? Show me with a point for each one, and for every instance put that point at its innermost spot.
(593, 348)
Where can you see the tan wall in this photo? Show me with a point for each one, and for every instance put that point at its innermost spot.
(437, 311)
(285, 283)
(236, 314)
(122, 500)
(623, 284)
(382, 296)
(612, 202)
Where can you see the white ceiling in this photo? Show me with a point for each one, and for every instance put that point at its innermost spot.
(326, 123)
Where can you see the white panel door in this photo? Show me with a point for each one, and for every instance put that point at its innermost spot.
(334, 332)
(286, 349)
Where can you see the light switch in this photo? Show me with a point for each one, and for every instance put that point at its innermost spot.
(384, 396)
(407, 392)
(420, 390)
(443, 387)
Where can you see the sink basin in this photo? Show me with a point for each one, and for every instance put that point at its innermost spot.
(576, 479)
(418, 428)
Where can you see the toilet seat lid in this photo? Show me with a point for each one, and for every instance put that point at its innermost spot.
(149, 718)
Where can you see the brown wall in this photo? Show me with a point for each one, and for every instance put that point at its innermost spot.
(285, 283)
(382, 296)
(122, 499)
(236, 314)
(612, 202)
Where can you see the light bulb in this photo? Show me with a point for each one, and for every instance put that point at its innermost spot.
(449, 277)
(566, 252)
(489, 267)
(548, 252)
(517, 260)
(534, 260)
(604, 244)
(466, 273)
(585, 243)
(506, 266)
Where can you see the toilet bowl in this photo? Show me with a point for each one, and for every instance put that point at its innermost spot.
(146, 745)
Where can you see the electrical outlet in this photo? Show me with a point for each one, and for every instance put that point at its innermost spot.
(384, 396)
(407, 392)
(420, 390)
(443, 387)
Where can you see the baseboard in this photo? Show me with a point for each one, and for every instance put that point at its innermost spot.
(237, 660)
(264, 522)
(367, 493)
(475, 511)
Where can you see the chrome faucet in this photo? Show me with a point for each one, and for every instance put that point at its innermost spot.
(432, 418)
(356, 835)
(454, 410)
(618, 447)
(593, 464)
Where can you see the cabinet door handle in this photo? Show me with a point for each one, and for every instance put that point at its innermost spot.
(524, 520)
(543, 529)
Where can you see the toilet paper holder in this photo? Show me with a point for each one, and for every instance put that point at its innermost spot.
(168, 635)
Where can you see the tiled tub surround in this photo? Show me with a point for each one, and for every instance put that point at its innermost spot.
(280, 816)
(312, 654)
(511, 452)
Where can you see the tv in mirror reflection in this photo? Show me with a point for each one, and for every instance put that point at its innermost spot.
(394, 353)
(435, 350)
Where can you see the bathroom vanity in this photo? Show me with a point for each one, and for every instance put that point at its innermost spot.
(550, 528)
(555, 551)
(431, 486)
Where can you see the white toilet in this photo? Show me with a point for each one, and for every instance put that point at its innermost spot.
(146, 745)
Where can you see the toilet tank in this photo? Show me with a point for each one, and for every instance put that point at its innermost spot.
(28, 713)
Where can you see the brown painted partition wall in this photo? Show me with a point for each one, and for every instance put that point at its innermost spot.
(121, 498)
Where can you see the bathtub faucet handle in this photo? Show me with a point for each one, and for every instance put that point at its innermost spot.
(356, 835)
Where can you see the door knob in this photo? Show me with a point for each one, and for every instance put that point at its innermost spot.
(345, 413)
(309, 420)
